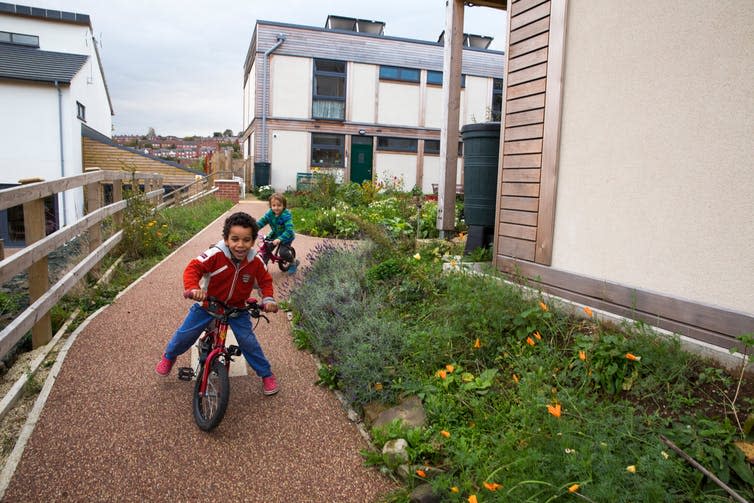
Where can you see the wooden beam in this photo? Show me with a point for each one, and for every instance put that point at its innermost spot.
(39, 274)
(451, 109)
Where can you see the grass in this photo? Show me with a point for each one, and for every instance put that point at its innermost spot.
(523, 402)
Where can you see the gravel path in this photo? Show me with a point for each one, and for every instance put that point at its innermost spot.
(113, 430)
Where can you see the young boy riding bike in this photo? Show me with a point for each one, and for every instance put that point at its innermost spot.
(229, 270)
(280, 220)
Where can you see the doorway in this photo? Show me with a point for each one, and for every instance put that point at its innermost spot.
(361, 158)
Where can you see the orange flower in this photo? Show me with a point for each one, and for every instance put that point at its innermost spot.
(441, 374)
(631, 468)
(538, 335)
(530, 341)
(472, 499)
(543, 306)
(477, 344)
(378, 386)
(421, 473)
(491, 486)
(554, 409)
(445, 433)
(582, 355)
(455, 489)
(515, 378)
(573, 488)
(450, 368)
(633, 357)
(588, 311)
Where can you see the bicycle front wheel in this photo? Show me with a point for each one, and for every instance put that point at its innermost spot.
(210, 408)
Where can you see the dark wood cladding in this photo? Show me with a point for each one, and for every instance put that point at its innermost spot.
(524, 127)
(702, 322)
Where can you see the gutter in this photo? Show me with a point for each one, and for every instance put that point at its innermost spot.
(280, 40)
(62, 157)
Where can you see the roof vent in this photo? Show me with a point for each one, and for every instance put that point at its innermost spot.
(355, 25)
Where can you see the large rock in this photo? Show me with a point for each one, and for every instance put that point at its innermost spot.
(410, 412)
(424, 494)
(395, 452)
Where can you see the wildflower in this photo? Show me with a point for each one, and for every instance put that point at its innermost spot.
(378, 386)
(569, 451)
(445, 433)
(441, 374)
(543, 306)
(472, 499)
(418, 257)
(515, 378)
(582, 355)
(588, 311)
(421, 473)
(537, 335)
(530, 341)
(573, 488)
(477, 343)
(633, 357)
(631, 468)
(450, 368)
(453, 263)
(455, 489)
(664, 455)
(554, 409)
(491, 486)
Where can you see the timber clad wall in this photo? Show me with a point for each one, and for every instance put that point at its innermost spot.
(526, 84)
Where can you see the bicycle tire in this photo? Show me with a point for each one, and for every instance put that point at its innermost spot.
(284, 265)
(210, 408)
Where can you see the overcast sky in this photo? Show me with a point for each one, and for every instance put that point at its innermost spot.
(177, 65)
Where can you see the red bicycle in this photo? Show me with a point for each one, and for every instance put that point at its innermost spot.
(212, 387)
(283, 255)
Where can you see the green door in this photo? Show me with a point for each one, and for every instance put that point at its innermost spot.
(361, 158)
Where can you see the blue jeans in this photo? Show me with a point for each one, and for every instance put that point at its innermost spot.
(197, 320)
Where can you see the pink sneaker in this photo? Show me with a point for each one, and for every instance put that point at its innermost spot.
(163, 368)
(270, 385)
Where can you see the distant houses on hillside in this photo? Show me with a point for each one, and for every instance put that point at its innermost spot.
(185, 151)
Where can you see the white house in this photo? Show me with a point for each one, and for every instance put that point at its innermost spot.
(51, 83)
(348, 100)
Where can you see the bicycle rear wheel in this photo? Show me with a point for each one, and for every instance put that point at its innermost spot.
(210, 408)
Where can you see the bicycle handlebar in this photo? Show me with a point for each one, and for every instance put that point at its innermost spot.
(252, 306)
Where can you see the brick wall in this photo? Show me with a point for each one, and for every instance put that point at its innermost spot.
(228, 189)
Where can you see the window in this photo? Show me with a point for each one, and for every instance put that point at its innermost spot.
(399, 73)
(397, 144)
(327, 150)
(432, 147)
(435, 78)
(80, 111)
(329, 94)
(19, 39)
(497, 99)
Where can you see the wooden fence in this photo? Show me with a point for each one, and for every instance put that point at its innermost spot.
(33, 257)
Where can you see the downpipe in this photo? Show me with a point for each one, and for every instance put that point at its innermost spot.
(265, 85)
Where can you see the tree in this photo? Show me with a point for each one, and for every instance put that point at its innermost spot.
(228, 132)
(151, 133)
(216, 134)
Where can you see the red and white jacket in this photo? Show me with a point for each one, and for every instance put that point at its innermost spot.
(217, 273)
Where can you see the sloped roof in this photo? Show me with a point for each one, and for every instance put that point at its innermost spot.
(28, 63)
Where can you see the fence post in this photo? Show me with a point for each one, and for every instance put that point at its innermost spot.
(94, 202)
(118, 196)
(39, 276)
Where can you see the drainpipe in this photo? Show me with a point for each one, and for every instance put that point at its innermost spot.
(280, 40)
(62, 158)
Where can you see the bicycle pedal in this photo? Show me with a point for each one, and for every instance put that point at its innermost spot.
(185, 373)
(234, 350)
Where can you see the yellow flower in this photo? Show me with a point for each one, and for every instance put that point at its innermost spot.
(538, 335)
(530, 341)
(378, 386)
(472, 499)
(491, 486)
(664, 455)
(633, 357)
(453, 263)
(515, 378)
(588, 311)
(554, 409)
(543, 306)
(421, 473)
(455, 489)
(418, 257)
(631, 468)
(582, 355)
(477, 343)
(573, 488)
(441, 374)
(450, 368)
(445, 433)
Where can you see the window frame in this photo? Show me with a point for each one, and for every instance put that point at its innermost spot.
(21, 39)
(337, 147)
(80, 111)
(384, 144)
(402, 74)
(496, 113)
(436, 72)
(321, 98)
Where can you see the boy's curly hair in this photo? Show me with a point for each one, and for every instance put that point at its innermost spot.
(242, 219)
